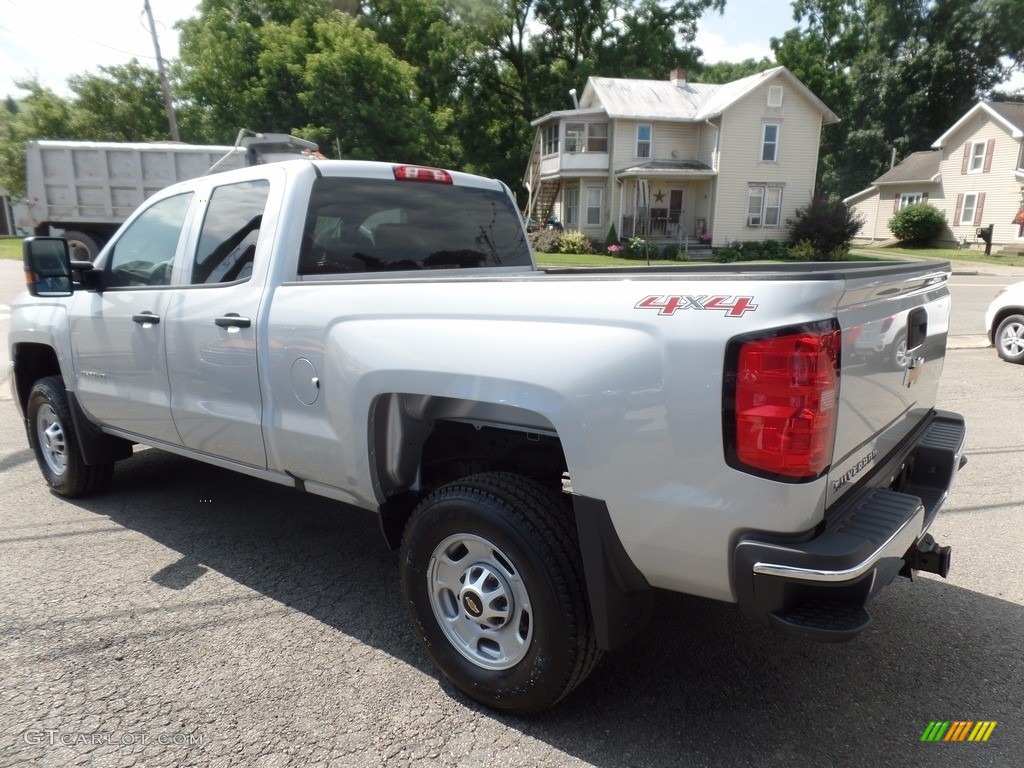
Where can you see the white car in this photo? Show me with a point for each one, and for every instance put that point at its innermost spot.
(1004, 323)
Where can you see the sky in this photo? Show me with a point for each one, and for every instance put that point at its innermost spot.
(55, 39)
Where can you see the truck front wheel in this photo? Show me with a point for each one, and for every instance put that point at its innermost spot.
(51, 433)
(493, 582)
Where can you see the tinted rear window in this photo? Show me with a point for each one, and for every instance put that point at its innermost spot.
(375, 225)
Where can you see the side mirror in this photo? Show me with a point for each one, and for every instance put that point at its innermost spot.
(47, 266)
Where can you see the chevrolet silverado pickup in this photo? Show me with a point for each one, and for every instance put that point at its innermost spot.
(545, 448)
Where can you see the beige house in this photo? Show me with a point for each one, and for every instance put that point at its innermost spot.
(671, 161)
(974, 174)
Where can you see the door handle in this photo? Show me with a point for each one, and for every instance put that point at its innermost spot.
(146, 318)
(233, 320)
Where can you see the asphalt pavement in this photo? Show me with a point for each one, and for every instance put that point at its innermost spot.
(189, 616)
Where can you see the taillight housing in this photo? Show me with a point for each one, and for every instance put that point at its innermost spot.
(422, 173)
(781, 399)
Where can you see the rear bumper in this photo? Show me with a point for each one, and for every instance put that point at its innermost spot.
(818, 584)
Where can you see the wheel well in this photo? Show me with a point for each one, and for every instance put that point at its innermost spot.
(32, 362)
(423, 443)
(1004, 313)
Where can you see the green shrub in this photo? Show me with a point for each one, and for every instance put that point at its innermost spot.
(917, 224)
(544, 240)
(574, 241)
(673, 252)
(638, 248)
(612, 238)
(827, 224)
(728, 254)
(775, 249)
(803, 251)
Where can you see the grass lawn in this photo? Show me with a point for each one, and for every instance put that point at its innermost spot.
(10, 248)
(978, 257)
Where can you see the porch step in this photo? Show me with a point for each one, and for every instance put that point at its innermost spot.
(1010, 250)
(701, 253)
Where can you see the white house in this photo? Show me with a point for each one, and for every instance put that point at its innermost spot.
(974, 174)
(672, 160)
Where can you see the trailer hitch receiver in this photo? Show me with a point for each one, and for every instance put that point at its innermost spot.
(926, 556)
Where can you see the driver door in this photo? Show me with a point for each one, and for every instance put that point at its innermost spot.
(117, 334)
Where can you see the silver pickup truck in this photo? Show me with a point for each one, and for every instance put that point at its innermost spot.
(545, 448)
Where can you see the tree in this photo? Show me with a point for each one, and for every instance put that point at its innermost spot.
(304, 68)
(123, 103)
(41, 114)
(899, 73)
(727, 71)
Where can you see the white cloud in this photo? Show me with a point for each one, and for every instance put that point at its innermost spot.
(716, 49)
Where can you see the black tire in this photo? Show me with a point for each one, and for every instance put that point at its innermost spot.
(524, 545)
(1009, 339)
(81, 246)
(51, 433)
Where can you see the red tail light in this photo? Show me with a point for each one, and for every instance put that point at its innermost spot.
(780, 419)
(422, 173)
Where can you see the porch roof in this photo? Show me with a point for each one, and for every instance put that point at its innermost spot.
(668, 168)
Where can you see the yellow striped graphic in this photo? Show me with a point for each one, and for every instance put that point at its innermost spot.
(982, 730)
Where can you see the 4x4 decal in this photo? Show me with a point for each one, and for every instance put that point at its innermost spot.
(733, 306)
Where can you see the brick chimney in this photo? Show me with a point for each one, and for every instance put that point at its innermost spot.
(678, 77)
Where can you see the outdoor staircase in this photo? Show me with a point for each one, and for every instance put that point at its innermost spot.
(1014, 249)
(545, 202)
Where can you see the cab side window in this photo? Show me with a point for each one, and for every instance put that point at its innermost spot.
(231, 229)
(144, 253)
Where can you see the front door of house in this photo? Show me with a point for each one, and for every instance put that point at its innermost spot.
(675, 206)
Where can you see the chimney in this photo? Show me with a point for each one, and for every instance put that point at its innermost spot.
(678, 77)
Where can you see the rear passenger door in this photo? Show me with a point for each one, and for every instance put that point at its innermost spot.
(212, 326)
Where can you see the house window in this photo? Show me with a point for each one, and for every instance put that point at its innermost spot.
(970, 208)
(775, 96)
(597, 137)
(764, 206)
(643, 140)
(575, 137)
(586, 137)
(551, 139)
(572, 207)
(977, 162)
(595, 202)
(770, 143)
(910, 198)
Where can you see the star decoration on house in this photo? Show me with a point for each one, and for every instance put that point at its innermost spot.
(659, 196)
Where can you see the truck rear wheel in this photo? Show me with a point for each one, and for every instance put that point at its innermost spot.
(51, 433)
(493, 582)
(81, 246)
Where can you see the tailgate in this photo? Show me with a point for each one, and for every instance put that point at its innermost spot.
(894, 329)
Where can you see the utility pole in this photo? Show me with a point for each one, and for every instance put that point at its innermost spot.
(164, 85)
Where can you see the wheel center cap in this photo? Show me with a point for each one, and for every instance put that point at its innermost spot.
(473, 604)
(485, 596)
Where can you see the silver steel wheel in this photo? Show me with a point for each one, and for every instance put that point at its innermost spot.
(52, 442)
(1011, 339)
(480, 601)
